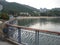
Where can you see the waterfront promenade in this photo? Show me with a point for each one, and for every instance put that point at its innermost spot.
(5, 43)
(27, 36)
(2, 41)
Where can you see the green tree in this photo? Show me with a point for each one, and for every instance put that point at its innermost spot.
(4, 16)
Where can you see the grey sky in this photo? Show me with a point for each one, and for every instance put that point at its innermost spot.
(39, 3)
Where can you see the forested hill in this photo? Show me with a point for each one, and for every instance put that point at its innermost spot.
(52, 12)
(15, 7)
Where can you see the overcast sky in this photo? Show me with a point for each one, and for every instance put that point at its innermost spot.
(39, 3)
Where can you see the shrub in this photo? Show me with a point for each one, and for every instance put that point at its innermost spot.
(4, 16)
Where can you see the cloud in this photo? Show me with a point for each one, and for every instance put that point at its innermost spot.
(39, 3)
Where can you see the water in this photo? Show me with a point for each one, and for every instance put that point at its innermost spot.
(28, 37)
(51, 24)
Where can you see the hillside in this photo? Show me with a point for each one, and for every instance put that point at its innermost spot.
(15, 7)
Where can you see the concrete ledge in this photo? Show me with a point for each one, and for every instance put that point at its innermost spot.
(13, 42)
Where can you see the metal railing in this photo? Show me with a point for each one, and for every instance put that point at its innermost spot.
(30, 36)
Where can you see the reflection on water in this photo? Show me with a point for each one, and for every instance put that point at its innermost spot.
(52, 24)
(28, 37)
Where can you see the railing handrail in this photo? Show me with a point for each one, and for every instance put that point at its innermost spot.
(32, 29)
(19, 35)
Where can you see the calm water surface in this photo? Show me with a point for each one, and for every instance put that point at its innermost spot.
(51, 24)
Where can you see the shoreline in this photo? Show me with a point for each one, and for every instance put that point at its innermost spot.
(21, 17)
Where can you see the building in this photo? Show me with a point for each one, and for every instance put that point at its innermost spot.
(24, 14)
(43, 9)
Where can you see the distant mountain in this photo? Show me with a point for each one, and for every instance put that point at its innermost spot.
(43, 10)
(57, 9)
(51, 12)
(15, 7)
(2, 0)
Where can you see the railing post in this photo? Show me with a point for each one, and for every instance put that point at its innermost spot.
(19, 35)
(7, 27)
(36, 37)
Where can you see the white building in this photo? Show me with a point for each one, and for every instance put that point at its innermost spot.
(11, 16)
(25, 13)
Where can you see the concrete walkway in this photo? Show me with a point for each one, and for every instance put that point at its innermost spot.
(4, 43)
